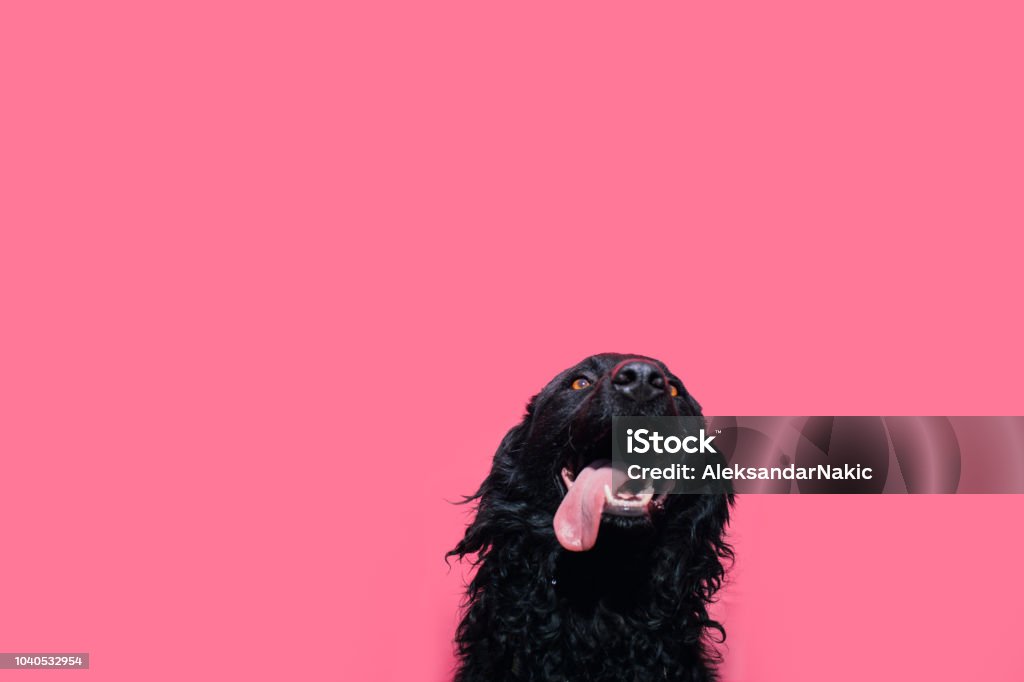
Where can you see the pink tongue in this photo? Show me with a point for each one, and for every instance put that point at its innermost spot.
(579, 516)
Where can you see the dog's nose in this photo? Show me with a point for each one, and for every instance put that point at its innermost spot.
(639, 381)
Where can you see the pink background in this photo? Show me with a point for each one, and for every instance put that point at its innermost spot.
(248, 249)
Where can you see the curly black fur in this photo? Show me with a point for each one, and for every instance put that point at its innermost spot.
(634, 607)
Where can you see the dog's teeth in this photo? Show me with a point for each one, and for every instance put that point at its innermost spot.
(568, 478)
(637, 500)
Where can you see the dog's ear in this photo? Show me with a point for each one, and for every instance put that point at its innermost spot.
(487, 523)
(703, 573)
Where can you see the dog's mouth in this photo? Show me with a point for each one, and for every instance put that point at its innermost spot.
(598, 489)
(622, 495)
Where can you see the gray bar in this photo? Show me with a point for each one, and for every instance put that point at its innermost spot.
(820, 454)
(47, 661)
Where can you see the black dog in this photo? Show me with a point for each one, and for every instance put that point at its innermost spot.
(578, 582)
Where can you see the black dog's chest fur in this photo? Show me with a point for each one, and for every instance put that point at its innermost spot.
(614, 613)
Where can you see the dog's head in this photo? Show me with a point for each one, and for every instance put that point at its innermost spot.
(554, 469)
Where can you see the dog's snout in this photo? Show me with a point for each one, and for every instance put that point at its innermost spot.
(639, 381)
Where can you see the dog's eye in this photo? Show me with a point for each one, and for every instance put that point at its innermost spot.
(673, 391)
(580, 383)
